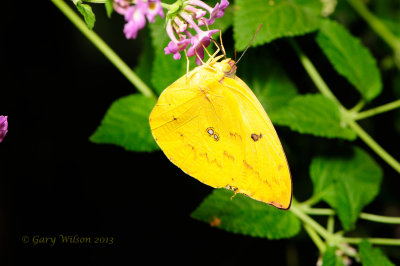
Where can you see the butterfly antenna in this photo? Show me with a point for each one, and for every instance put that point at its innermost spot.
(235, 55)
(252, 39)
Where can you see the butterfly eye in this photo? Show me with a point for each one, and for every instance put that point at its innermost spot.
(226, 68)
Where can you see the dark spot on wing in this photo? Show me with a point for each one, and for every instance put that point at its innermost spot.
(256, 137)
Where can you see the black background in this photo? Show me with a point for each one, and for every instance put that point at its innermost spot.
(56, 87)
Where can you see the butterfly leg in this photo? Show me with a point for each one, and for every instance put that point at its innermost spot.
(209, 55)
(222, 44)
(198, 56)
(187, 64)
(212, 58)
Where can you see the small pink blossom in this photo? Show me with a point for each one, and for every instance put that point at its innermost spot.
(135, 15)
(121, 6)
(175, 46)
(216, 12)
(198, 43)
(135, 21)
(3, 127)
(198, 13)
(154, 8)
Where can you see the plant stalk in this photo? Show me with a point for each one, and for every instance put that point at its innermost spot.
(372, 240)
(374, 145)
(315, 238)
(104, 48)
(378, 110)
(308, 220)
(363, 215)
(376, 24)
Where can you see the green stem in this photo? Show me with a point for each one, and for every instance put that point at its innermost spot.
(348, 116)
(331, 224)
(363, 215)
(315, 198)
(376, 24)
(318, 211)
(315, 238)
(380, 218)
(378, 110)
(104, 48)
(313, 73)
(372, 240)
(308, 220)
(357, 107)
(95, 1)
(374, 145)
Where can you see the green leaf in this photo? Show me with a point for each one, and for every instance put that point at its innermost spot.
(243, 215)
(126, 124)
(267, 79)
(313, 114)
(87, 13)
(347, 184)
(109, 7)
(350, 58)
(372, 256)
(330, 258)
(280, 18)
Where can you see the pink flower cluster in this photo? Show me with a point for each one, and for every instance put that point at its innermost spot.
(135, 15)
(3, 127)
(178, 28)
(184, 19)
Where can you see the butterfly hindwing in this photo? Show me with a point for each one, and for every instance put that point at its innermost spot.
(264, 158)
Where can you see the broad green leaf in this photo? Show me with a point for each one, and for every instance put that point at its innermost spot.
(347, 184)
(313, 114)
(372, 256)
(269, 82)
(279, 18)
(86, 12)
(350, 58)
(126, 124)
(243, 215)
(330, 258)
(314, 6)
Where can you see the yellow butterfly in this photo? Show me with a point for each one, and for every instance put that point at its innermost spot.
(211, 125)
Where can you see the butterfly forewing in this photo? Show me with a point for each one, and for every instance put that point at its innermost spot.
(189, 124)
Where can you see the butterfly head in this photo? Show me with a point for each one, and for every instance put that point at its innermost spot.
(227, 67)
